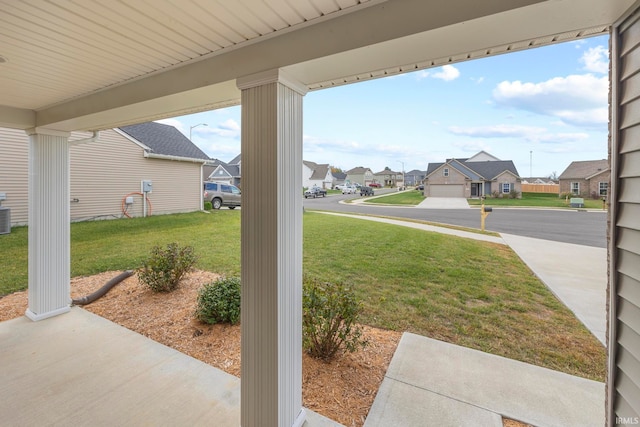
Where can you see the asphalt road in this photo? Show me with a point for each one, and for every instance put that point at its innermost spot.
(570, 226)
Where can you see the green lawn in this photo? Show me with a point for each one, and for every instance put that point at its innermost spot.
(401, 198)
(467, 292)
(547, 200)
(543, 200)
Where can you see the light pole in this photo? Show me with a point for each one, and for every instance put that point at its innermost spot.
(195, 126)
(402, 163)
(530, 164)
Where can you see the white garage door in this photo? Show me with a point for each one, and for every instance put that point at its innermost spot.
(444, 190)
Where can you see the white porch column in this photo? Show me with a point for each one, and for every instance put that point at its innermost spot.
(271, 386)
(49, 230)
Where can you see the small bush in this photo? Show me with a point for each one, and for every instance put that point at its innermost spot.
(208, 206)
(219, 301)
(164, 268)
(330, 312)
(513, 194)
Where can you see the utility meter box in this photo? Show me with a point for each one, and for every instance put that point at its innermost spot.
(147, 186)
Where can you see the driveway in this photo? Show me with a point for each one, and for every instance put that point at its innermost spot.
(444, 203)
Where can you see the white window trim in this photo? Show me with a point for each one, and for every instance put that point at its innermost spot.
(445, 172)
(577, 184)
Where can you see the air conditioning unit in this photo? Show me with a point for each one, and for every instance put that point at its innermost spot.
(5, 220)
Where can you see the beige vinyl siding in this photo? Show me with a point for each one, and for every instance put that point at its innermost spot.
(624, 332)
(14, 173)
(105, 172)
(102, 174)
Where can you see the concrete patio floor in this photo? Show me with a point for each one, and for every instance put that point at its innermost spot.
(78, 369)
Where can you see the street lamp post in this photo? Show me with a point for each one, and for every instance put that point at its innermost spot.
(195, 126)
(404, 184)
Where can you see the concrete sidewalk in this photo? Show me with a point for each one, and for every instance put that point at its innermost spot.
(576, 274)
(444, 203)
(433, 383)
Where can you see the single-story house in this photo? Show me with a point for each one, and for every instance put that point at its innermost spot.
(106, 175)
(227, 173)
(314, 174)
(588, 178)
(360, 175)
(480, 175)
(389, 178)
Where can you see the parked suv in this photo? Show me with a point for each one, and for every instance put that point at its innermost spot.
(220, 194)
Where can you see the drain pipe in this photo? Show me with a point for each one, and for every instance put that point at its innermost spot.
(104, 289)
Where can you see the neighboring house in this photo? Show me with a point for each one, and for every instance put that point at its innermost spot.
(414, 177)
(480, 175)
(588, 178)
(359, 175)
(338, 178)
(389, 178)
(318, 175)
(226, 173)
(539, 180)
(104, 173)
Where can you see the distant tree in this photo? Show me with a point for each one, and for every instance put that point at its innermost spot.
(336, 169)
(554, 175)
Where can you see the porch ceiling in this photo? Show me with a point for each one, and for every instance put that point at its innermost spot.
(73, 65)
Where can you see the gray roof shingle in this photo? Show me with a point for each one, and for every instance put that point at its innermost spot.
(584, 169)
(164, 139)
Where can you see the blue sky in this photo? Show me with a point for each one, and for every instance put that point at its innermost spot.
(542, 108)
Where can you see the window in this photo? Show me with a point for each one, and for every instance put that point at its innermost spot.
(506, 187)
(604, 188)
(575, 188)
(211, 186)
(445, 172)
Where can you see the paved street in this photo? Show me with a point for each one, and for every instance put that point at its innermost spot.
(568, 226)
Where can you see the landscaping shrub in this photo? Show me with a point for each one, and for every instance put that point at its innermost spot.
(330, 312)
(219, 301)
(164, 268)
(208, 206)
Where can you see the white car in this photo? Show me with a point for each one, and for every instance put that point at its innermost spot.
(349, 190)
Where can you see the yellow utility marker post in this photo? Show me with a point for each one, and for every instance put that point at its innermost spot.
(484, 212)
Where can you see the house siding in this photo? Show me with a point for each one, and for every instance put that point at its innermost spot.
(455, 178)
(14, 173)
(102, 174)
(623, 339)
(589, 188)
(504, 178)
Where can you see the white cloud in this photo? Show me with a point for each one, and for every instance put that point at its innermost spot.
(576, 99)
(496, 131)
(227, 129)
(596, 60)
(446, 73)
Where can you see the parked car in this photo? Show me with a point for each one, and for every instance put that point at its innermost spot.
(420, 187)
(366, 191)
(220, 194)
(315, 192)
(349, 190)
(375, 185)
